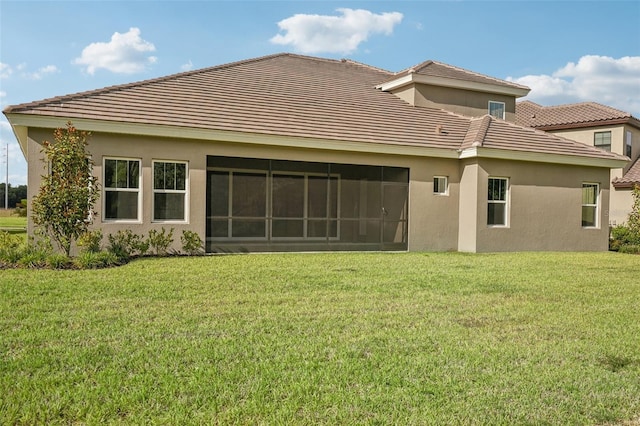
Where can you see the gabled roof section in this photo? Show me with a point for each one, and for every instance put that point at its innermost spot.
(568, 116)
(631, 178)
(487, 136)
(441, 74)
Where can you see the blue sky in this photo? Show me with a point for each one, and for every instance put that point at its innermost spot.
(566, 52)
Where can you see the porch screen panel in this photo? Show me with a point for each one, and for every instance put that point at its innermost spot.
(248, 205)
(322, 207)
(288, 198)
(219, 221)
(279, 205)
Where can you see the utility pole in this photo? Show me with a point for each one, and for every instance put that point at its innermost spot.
(6, 184)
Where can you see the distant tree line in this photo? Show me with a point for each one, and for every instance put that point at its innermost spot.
(16, 194)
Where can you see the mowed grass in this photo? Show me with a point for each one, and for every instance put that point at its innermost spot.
(12, 224)
(380, 338)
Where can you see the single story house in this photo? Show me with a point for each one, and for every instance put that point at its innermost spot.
(295, 153)
(596, 125)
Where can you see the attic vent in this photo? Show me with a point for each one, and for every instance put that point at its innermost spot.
(440, 130)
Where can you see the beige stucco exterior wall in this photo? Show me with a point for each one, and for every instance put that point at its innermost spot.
(621, 201)
(470, 201)
(430, 216)
(544, 211)
(544, 208)
(585, 136)
(464, 102)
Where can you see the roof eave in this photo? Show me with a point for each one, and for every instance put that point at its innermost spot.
(413, 78)
(600, 123)
(540, 157)
(25, 121)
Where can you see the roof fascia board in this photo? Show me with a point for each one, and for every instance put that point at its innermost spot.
(601, 123)
(539, 157)
(453, 83)
(113, 127)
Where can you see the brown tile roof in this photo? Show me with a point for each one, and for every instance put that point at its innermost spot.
(586, 114)
(631, 178)
(282, 94)
(438, 69)
(490, 132)
(298, 96)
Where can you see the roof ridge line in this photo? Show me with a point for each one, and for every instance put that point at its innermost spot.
(362, 64)
(496, 79)
(481, 131)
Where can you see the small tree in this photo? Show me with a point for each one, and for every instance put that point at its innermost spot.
(64, 205)
(633, 222)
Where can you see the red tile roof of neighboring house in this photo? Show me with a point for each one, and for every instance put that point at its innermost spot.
(298, 96)
(631, 178)
(586, 114)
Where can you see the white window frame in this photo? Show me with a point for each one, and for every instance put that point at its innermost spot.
(106, 189)
(443, 181)
(505, 202)
(628, 144)
(184, 191)
(596, 206)
(504, 109)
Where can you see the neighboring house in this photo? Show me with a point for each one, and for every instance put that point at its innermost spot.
(293, 153)
(596, 125)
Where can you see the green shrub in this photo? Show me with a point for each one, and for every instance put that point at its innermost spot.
(21, 208)
(159, 241)
(125, 244)
(630, 249)
(93, 260)
(191, 243)
(621, 236)
(90, 241)
(58, 261)
(12, 248)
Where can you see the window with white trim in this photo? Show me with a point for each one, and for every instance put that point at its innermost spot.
(497, 109)
(628, 145)
(602, 140)
(170, 190)
(590, 195)
(497, 208)
(121, 189)
(440, 185)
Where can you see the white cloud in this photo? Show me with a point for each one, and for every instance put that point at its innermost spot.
(334, 34)
(187, 67)
(3, 93)
(126, 53)
(38, 75)
(5, 70)
(609, 81)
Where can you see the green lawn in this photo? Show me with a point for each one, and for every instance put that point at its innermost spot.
(12, 224)
(381, 338)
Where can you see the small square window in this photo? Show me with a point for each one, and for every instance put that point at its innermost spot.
(440, 185)
(602, 140)
(497, 109)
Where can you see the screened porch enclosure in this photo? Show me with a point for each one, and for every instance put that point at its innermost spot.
(278, 205)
